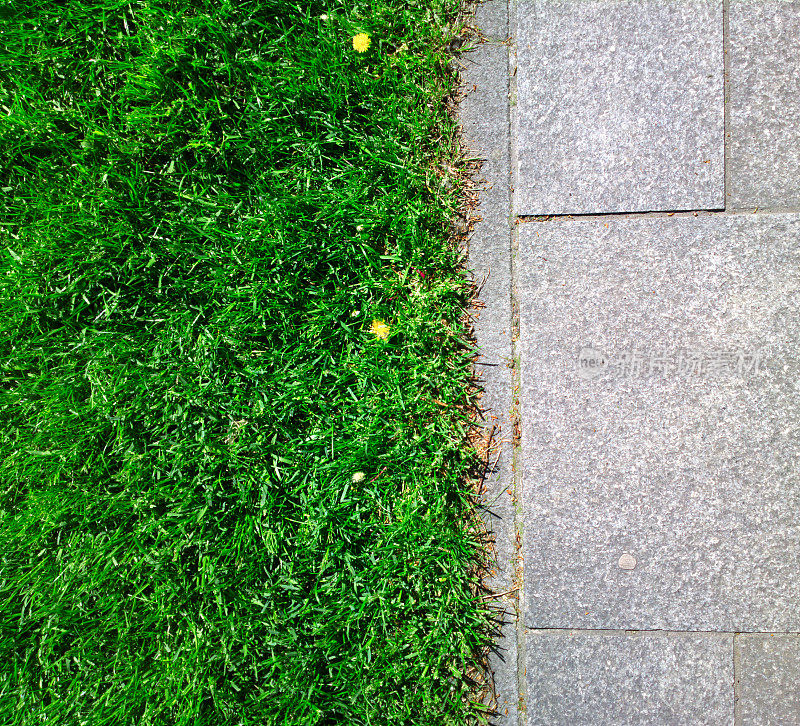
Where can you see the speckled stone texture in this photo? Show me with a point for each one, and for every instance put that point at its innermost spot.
(769, 680)
(484, 117)
(678, 446)
(619, 106)
(764, 163)
(641, 679)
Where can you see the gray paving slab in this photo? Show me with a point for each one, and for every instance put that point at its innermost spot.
(619, 106)
(648, 679)
(484, 118)
(491, 18)
(661, 422)
(483, 114)
(764, 162)
(768, 680)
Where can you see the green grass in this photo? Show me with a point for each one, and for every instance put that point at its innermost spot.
(203, 207)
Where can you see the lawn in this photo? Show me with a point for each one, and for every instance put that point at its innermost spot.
(235, 479)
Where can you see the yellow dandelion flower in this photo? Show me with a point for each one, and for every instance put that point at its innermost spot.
(361, 42)
(358, 476)
(380, 329)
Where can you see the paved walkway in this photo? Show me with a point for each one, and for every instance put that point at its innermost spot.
(639, 238)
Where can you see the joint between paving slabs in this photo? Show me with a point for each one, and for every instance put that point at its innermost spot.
(655, 214)
(599, 216)
(656, 631)
(737, 672)
(726, 125)
(515, 414)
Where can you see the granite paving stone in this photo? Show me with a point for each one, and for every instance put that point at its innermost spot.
(648, 679)
(491, 18)
(484, 117)
(659, 356)
(764, 163)
(661, 422)
(619, 106)
(769, 679)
